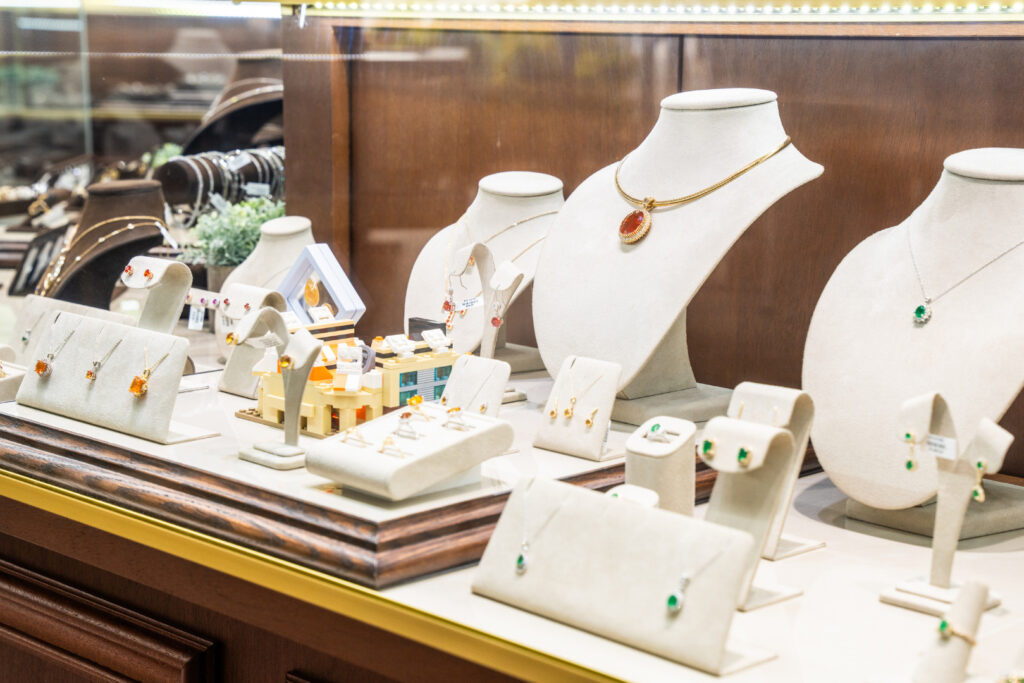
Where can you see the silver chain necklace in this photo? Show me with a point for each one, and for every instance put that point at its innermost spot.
(923, 312)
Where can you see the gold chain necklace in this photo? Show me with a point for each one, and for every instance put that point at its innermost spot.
(637, 223)
(55, 271)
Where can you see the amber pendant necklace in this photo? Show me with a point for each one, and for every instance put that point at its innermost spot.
(637, 223)
(140, 383)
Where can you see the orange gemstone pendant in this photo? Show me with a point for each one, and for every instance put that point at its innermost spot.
(42, 368)
(139, 386)
(636, 224)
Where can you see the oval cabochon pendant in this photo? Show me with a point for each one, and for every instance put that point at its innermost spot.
(634, 226)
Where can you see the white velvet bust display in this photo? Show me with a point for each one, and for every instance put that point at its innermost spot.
(281, 241)
(865, 355)
(502, 199)
(598, 297)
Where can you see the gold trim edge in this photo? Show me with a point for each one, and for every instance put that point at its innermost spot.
(296, 581)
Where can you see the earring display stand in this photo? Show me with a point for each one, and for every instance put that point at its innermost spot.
(584, 391)
(110, 400)
(652, 579)
(700, 138)
(166, 283)
(958, 250)
(236, 300)
(946, 660)
(930, 427)
(476, 385)
(297, 353)
(511, 216)
(659, 456)
(239, 301)
(375, 459)
(792, 410)
(754, 463)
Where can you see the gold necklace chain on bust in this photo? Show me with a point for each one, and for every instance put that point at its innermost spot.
(55, 271)
(637, 223)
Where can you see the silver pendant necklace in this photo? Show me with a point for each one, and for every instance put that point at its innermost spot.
(522, 559)
(923, 311)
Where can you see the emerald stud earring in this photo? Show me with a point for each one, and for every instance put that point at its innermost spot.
(978, 493)
(911, 463)
(707, 449)
(743, 457)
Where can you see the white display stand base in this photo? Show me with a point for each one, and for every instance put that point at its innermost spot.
(11, 381)
(920, 596)
(791, 546)
(765, 595)
(740, 657)
(519, 357)
(698, 404)
(1003, 510)
(512, 395)
(274, 455)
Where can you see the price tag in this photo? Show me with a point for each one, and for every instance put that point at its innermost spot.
(226, 324)
(467, 304)
(941, 447)
(219, 202)
(257, 189)
(264, 342)
(239, 161)
(321, 314)
(196, 317)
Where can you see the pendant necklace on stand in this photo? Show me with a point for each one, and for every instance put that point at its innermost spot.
(522, 559)
(448, 306)
(923, 311)
(637, 223)
(677, 598)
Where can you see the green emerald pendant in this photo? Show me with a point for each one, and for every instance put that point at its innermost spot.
(521, 563)
(674, 603)
(922, 314)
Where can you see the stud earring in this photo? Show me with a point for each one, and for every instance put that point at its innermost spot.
(589, 422)
(483, 408)
(553, 413)
(978, 493)
(707, 449)
(911, 463)
(571, 410)
(743, 457)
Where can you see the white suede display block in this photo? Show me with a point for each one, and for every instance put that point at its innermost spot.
(664, 466)
(476, 385)
(439, 453)
(504, 200)
(591, 384)
(106, 401)
(634, 313)
(608, 566)
(35, 318)
(9, 383)
(749, 491)
(865, 355)
(166, 283)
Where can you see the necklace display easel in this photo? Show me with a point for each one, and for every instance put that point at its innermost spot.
(297, 353)
(635, 312)
(511, 215)
(120, 219)
(928, 427)
(865, 329)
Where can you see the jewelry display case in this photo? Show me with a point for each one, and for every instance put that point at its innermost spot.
(636, 248)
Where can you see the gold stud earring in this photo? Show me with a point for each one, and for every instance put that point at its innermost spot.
(743, 457)
(707, 449)
(553, 413)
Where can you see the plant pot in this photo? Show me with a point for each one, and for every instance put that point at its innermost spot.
(216, 275)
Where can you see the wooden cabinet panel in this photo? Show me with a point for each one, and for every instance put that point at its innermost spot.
(91, 639)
